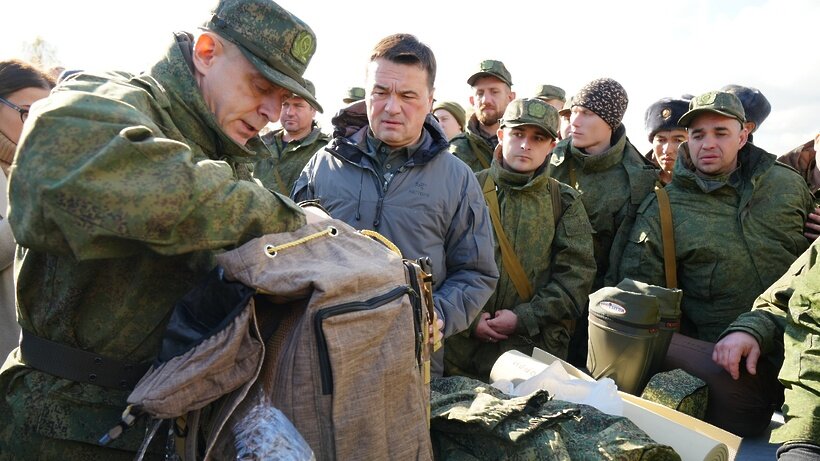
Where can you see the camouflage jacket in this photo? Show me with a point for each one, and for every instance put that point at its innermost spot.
(472, 150)
(731, 243)
(557, 258)
(613, 184)
(791, 306)
(123, 189)
(472, 421)
(280, 170)
(802, 159)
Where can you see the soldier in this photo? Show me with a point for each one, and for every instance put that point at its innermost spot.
(388, 170)
(544, 254)
(786, 316)
(292, 145)
(564, 113)
(552, 95)
(354, 93)
(153, 178)
(755, 106)
(738, 217)
(451, 116)
(598, 160)
(665, 134)
(492, 91)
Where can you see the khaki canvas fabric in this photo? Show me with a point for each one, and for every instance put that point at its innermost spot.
(366, 398)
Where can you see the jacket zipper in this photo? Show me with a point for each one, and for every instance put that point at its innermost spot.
(325, 370)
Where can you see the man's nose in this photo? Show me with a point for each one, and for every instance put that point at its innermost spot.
(271, 108)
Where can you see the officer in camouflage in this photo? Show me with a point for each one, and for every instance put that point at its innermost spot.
(492, 92)
(555, 255)
(598, 160)
(738, 217)
(803, 158)
(123, 189)
(786, 316)
(292, 145)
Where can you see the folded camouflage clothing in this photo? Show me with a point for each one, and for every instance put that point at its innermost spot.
(472, 420)
(679, 391)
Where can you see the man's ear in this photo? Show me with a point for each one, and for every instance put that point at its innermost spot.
(206, 48)
(744, 136)
(472, 102)
(500, 134)
(511, 96)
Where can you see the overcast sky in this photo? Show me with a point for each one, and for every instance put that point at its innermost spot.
(653, 48)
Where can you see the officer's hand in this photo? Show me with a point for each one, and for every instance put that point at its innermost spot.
(812, 230)
(484, 332)
(733, 347)
(504, 322)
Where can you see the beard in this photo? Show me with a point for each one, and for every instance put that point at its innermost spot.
(488, 117)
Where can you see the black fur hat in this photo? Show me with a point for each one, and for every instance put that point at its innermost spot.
(664, 114)
(755, 105)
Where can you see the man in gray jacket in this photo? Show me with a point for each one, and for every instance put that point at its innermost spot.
(388, 169)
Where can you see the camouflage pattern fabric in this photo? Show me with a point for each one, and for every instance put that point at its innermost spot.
(286, 162)
(561, 273)
(720, 236)
(613, 184)
(472, 150)
(787, 315)
(147, 187)
(679, 391)
(472, 420)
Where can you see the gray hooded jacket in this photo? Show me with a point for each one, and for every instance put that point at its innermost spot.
(431, 206)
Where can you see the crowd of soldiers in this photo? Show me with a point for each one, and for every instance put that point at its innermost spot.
(122, 187)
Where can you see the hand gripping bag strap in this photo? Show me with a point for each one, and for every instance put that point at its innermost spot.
(511, 262)
(668, 234)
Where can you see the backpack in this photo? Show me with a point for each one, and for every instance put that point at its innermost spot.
(348, 360)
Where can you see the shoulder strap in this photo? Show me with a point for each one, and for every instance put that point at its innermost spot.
(477, 153)
(573, 181)
(510, 260)
(668, 235)
(555, 194)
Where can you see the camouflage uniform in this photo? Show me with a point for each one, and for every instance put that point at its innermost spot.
(473, 147)
(561, 273)
(123, 189)
(280, 171)
(802, 159)
(612, 183)
(791, 305)
(728, 250)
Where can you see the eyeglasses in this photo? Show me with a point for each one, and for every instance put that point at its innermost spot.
(23, 112)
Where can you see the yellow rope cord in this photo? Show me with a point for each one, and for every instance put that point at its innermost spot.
(381, 238)
(272, 250)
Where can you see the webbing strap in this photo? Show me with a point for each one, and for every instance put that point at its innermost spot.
(511, 262)
(668, 235)
(477, 153)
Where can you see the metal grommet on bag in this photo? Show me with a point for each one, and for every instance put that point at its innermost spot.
(333, 231)
(270, 250)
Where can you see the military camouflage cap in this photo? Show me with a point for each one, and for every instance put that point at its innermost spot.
(531, 111)
(606, 97)
(354, 93)
(663, 115)
(491, 68)
(550, 92)
(277, 43)
(455, 109)
(567, 107)
(719, 102)
(755, 106)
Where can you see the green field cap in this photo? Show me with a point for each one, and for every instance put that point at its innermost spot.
(491, 68)
(531, 111)
(719, 102)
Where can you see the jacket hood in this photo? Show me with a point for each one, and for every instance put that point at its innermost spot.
(350, 127)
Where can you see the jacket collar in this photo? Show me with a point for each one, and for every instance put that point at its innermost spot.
(753, 162)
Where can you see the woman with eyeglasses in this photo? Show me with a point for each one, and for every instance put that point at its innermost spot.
(21, 84)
